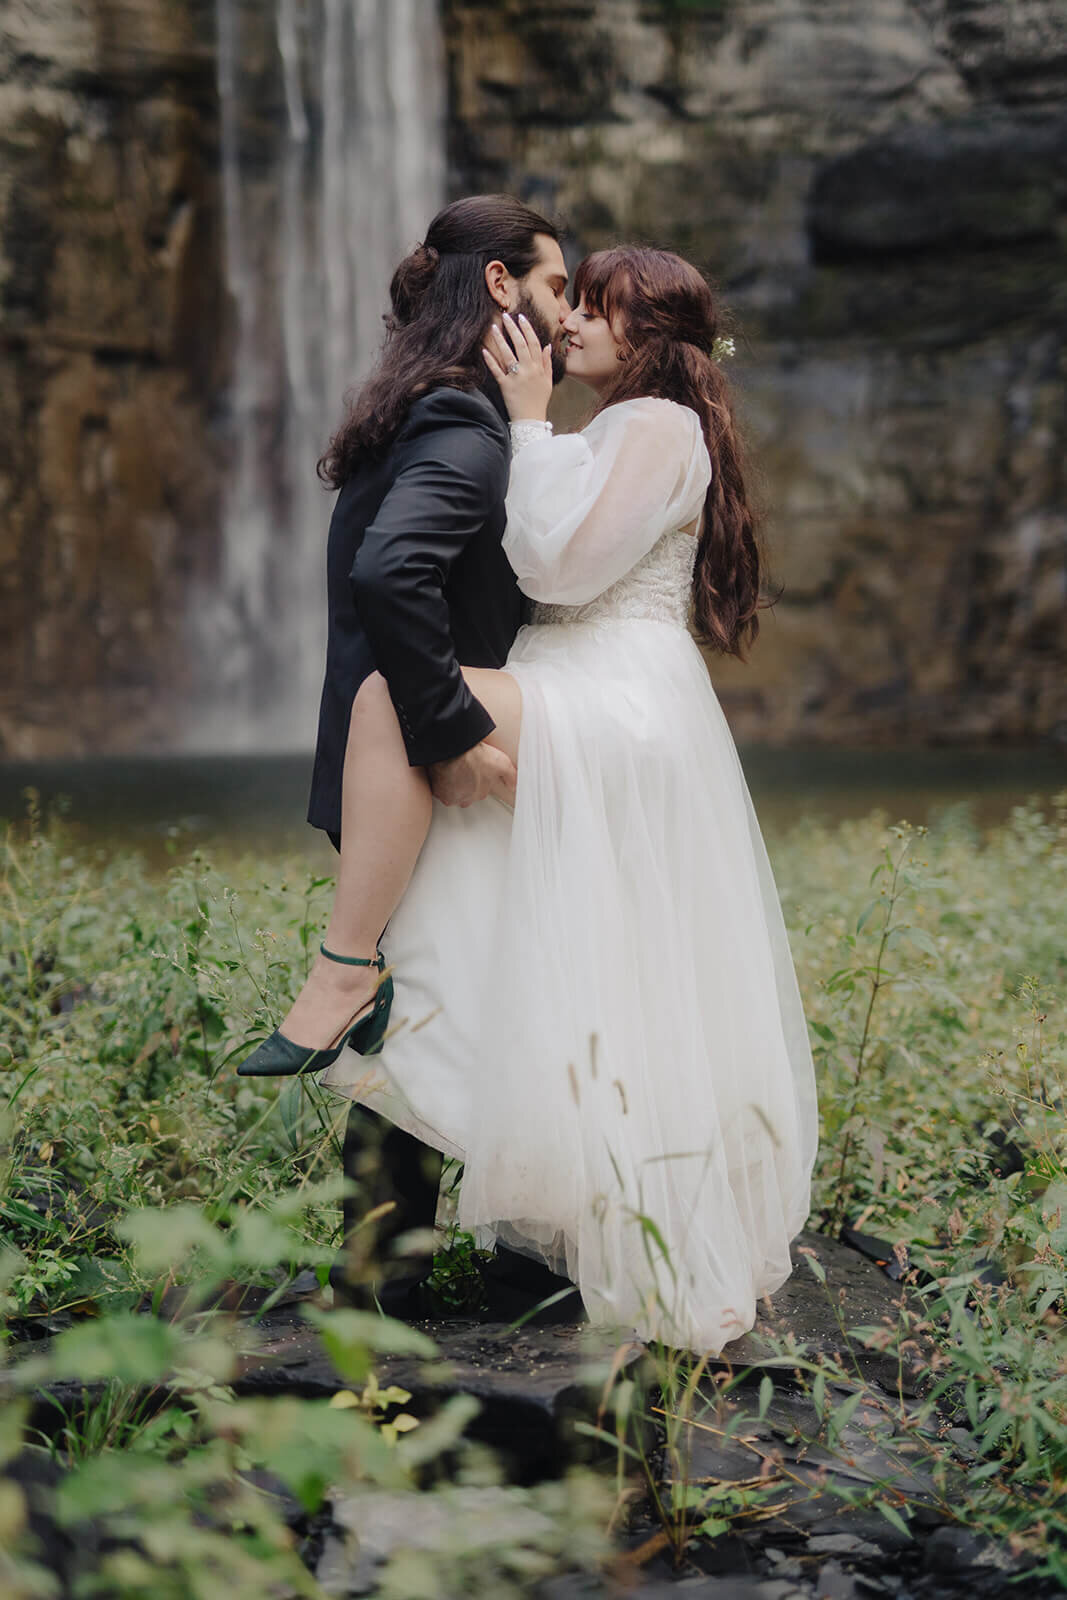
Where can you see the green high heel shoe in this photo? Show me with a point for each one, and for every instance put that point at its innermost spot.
(279, 1057)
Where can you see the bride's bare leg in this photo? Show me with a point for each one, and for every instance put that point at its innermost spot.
(385, 815)
(501, 696)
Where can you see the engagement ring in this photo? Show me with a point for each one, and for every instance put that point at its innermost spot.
(513, 368)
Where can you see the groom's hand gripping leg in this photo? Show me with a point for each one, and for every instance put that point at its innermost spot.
(472, 776)
(490, 768)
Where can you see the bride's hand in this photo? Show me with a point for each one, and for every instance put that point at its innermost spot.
(522, 369)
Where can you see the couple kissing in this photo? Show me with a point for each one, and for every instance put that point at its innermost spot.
(556, 951)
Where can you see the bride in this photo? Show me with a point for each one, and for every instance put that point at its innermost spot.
(595, 1007)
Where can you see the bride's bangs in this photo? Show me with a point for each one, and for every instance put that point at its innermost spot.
(603, 281)
(655, 292)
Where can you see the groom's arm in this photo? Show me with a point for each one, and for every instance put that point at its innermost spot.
(452, 470)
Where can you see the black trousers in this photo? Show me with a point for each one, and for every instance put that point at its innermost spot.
(391, 1170)
(386, 1167)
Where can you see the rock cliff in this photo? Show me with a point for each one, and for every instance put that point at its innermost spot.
(879, 187)
(880, 190)
(110, 363)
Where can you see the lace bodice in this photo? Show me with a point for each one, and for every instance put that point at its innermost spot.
(595, 519)
(657, 589)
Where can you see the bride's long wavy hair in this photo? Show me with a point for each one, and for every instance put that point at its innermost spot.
(435, 331)
(670, 322)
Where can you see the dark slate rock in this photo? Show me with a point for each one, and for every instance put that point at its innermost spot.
(952, 1550)
(578, 1587)
(843, 1544)
(806, 1507)
(966, 184)
(806, 1309)
(835, 1583)
(36, 1477)
(244, 1300)
(532, 1383)
(727, 1555)
(373, 1524)
(807, 1518)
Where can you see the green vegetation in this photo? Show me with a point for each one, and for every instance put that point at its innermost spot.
(132, 1162)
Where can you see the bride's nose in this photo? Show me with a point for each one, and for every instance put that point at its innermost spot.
(569, 322)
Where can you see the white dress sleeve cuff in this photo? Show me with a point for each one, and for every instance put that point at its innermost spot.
(523, 433)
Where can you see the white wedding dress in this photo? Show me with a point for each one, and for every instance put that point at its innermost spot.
(596, 1008)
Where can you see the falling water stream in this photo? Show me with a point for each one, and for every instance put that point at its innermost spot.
(332, 153)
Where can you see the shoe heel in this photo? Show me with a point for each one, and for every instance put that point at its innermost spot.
(368, 1036)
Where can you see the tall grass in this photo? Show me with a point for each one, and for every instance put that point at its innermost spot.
(932, 965)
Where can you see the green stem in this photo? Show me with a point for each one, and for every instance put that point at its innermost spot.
(878, 982)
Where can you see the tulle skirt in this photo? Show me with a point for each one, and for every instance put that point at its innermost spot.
(596, 1008)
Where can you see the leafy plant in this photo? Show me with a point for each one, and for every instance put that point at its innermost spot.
(137, 1172)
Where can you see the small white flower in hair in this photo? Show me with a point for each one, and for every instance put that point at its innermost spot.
(723, 349)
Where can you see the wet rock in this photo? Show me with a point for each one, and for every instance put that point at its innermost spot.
(842, 1544)
(30, 1477)
(532, 1384)
(894, 1261)
(808, 1508)
(110, 363)
(806, 1519)
(879, 190)
(372, 1526)
(952, 1550)
(907, 405)
(834, 1583)
(960, 185)
(578, 1588)
(267, 1307)
(807, 1310)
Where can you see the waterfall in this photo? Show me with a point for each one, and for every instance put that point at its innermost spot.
(332, 153)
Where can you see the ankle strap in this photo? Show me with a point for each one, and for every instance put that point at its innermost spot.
(355, 961)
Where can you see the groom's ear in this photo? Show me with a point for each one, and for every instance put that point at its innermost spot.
(500, 283)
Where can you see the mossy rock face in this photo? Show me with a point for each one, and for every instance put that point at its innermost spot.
(870, 184)
(943, 301)
(111, 306)
(961, 185)
(879, 192)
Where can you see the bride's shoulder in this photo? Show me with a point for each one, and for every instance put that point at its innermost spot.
(664, 417)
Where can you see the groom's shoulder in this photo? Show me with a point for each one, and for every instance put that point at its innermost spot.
(446, 407)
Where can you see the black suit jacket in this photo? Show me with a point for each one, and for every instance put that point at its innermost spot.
(417, 582)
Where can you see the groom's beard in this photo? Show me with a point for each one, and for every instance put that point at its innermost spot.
(545, 336)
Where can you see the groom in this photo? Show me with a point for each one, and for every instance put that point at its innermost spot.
(421, 504)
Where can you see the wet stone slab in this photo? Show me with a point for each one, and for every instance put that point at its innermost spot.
(531, 1383)
(809, 1542)
(371, 1527)
(856, 1291)
(534, 1383)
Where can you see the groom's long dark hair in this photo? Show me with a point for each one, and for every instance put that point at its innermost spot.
(671, 324)
(436, 329)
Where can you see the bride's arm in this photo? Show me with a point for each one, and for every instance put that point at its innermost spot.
(584, 508)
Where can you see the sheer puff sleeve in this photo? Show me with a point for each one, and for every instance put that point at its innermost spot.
(584, 508)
